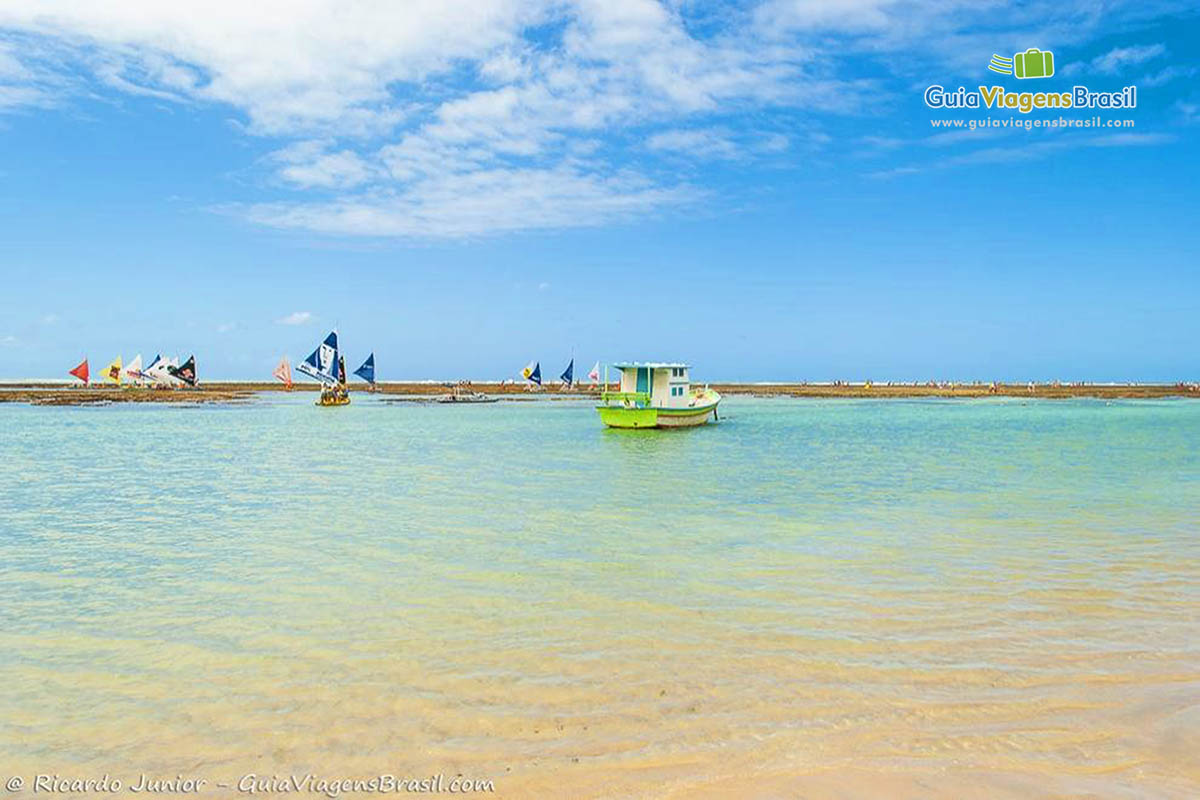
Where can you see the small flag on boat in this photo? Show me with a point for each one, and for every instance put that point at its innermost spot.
(113, 371)
(322, 363)
(367, 370)
(283, 371)
(185, 373)
(568, 376)
(533, 372)
(594, 375)
(133, 370)
(81, 371)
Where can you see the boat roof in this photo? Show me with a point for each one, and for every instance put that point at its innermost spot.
(652, 364)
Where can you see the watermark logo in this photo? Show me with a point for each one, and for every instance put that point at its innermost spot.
(1033, 63)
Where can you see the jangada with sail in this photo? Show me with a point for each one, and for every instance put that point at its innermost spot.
(366, 372)
(283, 373)
(326, 365)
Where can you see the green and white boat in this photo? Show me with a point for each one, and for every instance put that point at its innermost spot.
(656, 395)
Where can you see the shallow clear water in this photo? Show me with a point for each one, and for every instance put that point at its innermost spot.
(909, 597)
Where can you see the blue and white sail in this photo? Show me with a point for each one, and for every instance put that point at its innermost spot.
(367, 370)
(532, 372)
(568, 376)
(322, 363)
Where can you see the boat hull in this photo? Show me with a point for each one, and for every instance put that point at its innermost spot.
(618, 417)
(341, 401)
(621, 417)
(685, 417)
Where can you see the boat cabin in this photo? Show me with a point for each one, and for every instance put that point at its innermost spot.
(655, 384)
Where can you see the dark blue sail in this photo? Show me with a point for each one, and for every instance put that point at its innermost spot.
(367, 370)
(533, 372)
(322, 363)
(568, 376)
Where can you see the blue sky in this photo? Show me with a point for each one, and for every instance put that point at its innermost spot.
(756, 188)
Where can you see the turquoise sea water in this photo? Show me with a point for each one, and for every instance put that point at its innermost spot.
(839, 589)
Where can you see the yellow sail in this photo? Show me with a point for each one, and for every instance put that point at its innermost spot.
(113, 371)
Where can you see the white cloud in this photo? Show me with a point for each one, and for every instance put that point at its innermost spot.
(50, 319)
(392, 108)
(894, 172)
(469, 117)
(1115, 60)
(290, 66)
(309, 164)
(296, 318)
(226, 327)
(842, 15)
(1131, 139)
(707, 143)
(479, 202)
(1188, 109)
(1164, 76)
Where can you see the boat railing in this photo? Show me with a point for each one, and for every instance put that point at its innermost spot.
(625, 398)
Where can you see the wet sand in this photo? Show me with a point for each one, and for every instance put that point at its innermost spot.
(224, 392)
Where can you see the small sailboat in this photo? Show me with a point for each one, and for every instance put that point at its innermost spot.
(338, 395)
(81, 372)
(156, 373)
(133, 370)
(568, 375)
(532, 373)
(656, 395)
(325, 365)
(112, 372)
(165, 373)
(594, 374)
(367, 371)
(283, 372)
(185, 374)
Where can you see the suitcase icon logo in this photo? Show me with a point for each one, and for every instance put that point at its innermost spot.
(1033, 63)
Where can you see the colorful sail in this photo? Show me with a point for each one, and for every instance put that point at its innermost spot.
(166, 371)
(283, 372)
(568, 376)
(367, 370)
(533, 372)
(594, 375)
(157, 371)
(81, 371)
(322, 363)
(113, 371)
(133, 370)
(185, 373)
(341, 370)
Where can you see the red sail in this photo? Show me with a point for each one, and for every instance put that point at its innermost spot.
(81, 371)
